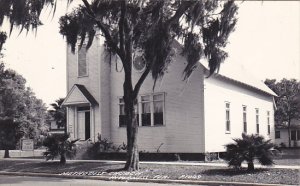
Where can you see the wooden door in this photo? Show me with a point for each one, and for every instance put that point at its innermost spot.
(81, 125)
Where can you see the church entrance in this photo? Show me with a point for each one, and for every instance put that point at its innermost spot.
(84, 123)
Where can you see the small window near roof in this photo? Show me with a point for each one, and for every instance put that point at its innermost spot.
(82, 62)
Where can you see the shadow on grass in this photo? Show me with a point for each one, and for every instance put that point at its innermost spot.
(232, 172)
(56, 167)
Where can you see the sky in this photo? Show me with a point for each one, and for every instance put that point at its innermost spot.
(266, 42)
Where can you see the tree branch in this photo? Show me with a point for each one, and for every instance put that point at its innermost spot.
(104, 30)
(180, 11)
(141, 80)
(121, 27)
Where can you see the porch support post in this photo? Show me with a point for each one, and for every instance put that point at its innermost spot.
(92, 123)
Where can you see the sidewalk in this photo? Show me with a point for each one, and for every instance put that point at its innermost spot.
(183, 163)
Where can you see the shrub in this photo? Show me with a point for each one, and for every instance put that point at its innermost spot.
(59, 145)
(210, 156)
(282, 145)
(248, 148)
(104, 145)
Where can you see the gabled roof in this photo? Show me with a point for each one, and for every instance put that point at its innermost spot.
(236, 75)
(79, 95)
(241, 76)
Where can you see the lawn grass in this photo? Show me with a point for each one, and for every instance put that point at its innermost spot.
(151, 171)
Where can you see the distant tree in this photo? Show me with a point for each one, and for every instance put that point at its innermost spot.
(248, 148)
(287, 102)
(58, 113)
(149, 27)
(18, 105)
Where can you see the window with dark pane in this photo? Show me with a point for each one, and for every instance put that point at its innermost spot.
(244, 119)
(158, 105)
(136, 111)
(122, 118)
(146, 111)
(227, 117)
(82, 63)
(268, 122)
(257, 120)
(277, 134)
(293, 135)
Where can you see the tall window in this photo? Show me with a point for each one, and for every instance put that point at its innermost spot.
(227, 117)
(244, 119)
(268, 122)
(257, 120)
(149, 110)
(82, 63)
(122, 119)
(146, 110)
(152, 109)
(277, 134)
(293, 135)
(158, 107)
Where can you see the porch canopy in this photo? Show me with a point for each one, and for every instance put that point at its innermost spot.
(79, 95)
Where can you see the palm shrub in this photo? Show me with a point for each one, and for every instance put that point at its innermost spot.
(59, 145)
(248, 148)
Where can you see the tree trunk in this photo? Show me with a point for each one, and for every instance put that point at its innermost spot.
(289, 132)
(250, 166)
(132, 163)
(62, 159)
(6, 153)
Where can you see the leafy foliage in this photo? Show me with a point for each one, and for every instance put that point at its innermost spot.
(204, 27)
(287, 102)
(59, 145)
(58, 112)
(104, 145)
(19, 104)
(24, 13)
(248, 148)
